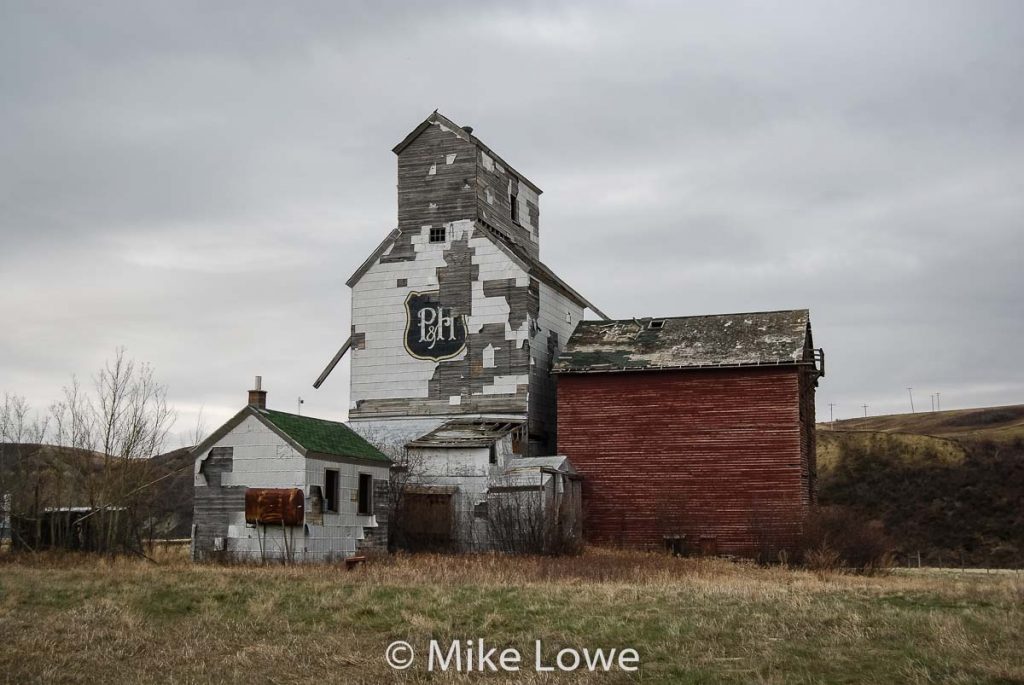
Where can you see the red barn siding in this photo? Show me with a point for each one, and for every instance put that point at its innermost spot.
(722, 453)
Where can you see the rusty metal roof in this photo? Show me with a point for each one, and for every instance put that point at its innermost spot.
(686, 342)
(466, 433)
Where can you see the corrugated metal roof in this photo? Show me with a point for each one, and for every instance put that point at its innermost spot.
(466, 433)
(756, 338)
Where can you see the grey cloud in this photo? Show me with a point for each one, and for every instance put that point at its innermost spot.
(197, 182)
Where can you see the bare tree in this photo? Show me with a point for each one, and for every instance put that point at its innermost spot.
(98, 459)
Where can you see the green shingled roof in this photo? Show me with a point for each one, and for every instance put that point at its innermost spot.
(325, 437)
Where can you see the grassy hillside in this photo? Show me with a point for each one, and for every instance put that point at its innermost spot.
(994, 423)
(947, 484)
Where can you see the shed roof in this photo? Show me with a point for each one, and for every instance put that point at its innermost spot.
(531, 472)
(721, 340)
(470, 432)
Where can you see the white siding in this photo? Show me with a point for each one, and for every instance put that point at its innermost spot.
(384, 369)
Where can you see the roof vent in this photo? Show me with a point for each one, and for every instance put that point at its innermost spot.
(468, 129)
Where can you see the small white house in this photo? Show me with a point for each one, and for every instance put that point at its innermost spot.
(273, 485)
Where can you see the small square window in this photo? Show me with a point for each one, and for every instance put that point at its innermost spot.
(437, 235)
(402, 282)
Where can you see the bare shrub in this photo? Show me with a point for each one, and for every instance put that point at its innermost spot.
(835, 537)
(523, 522)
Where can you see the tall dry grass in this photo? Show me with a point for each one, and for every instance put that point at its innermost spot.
(69, 618)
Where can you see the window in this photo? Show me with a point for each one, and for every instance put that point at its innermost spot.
(331, 486)
(365, 494)
(402, 282)
(514, 202)
(494, 453)
(657, 323)
(437, 235)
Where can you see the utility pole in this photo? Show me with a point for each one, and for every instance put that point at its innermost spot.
(831, 416)
(865, 410)
(298, 406)
(910, 391)
(938, 402)
(932, 398)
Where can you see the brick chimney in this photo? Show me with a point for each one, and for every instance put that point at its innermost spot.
(258, 396)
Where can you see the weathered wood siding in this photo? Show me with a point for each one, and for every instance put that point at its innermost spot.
(718, 453)
(556, 320)
(214, 502)
(436, 185)
(496, 186)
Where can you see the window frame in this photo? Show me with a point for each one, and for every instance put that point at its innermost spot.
(368, 510)
(441, 231)
(332, 496)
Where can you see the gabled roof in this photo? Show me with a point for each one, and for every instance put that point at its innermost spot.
(722, 340)
(531, 265)
(466, 432)
(438, 118)
(308, 435)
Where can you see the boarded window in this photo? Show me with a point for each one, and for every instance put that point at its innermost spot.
(365, 494)
(331, 490)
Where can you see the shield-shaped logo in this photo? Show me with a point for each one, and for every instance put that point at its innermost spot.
(431, 330)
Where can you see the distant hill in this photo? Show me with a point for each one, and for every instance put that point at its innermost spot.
(59, 474)
(947, 484)
(995, 423)
(173, 494)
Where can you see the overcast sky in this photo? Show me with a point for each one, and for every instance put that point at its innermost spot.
(195, 182)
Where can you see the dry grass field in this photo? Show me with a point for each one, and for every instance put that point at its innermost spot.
(76, 619)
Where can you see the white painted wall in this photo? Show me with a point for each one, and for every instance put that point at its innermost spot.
(384, 369)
